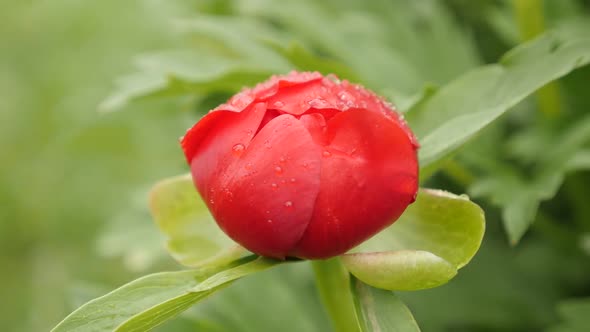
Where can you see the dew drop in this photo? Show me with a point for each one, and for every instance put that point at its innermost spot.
(318, 103)
(248, 166)
(267, 212)
(274, 185)
(344, 96)
(292, 180)
(326, 154)
(278, 170)
(212, 202)
(238, 149)
(305, 165)
(278, 104)
(288, 204)
(282, 159)
(269, 221)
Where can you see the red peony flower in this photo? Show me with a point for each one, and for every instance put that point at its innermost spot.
(303, 165)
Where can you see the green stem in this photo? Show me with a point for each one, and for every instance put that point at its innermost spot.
(333, 282)
(529, 15)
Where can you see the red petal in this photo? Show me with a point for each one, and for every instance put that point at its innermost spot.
(369, 175)
(266, 201)
(209, 145)
(315, 124)
(271, 87)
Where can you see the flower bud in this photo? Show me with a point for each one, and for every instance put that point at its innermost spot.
(303, 165)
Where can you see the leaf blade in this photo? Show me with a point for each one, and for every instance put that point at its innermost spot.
(194, 239)
(403, 270)
(457, 111)
(380, 310)
(447, 225)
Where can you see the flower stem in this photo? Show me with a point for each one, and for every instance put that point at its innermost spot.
(529, 15)
(333, 282)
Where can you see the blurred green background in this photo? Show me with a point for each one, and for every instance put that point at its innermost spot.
(73, 181)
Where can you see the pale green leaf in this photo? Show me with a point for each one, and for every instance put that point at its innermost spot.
(462, 108)
(153, 299)
(223, 277)
(194, 238)
(219, 54)
(446, 225)
(109, 311)
(379, 310)
(436, 235)
(156, 315)
(403, 270)
(519, 191)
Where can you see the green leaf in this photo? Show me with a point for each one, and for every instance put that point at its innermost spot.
(150, 300)
(574, 313)
(156, 315)
(436, 235)
(460, 109)
(380, 310)
(109, 311)
(439, 222)
(194, 239)
(219, 54)
(402, 54)
(519, 190)
(400, 270)
(223, 277)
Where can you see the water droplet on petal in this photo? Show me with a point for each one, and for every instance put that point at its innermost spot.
(282, 159)
(278, 104)
(269, 221)
(344, 96)
(288, 204)
(274, 185)
(248, 166)
(278, 170)
(238, 149)
(326, 154)
(318, 103)
(212, 202)
(293, 180)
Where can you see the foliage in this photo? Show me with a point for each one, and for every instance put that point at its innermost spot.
(70, 177)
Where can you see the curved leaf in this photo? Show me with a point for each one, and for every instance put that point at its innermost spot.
(447, 225)
(457, 111)
(380, 310)
(403, 270)
(107, 312)
(436, 235)
(194, 238)
(151, 300)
